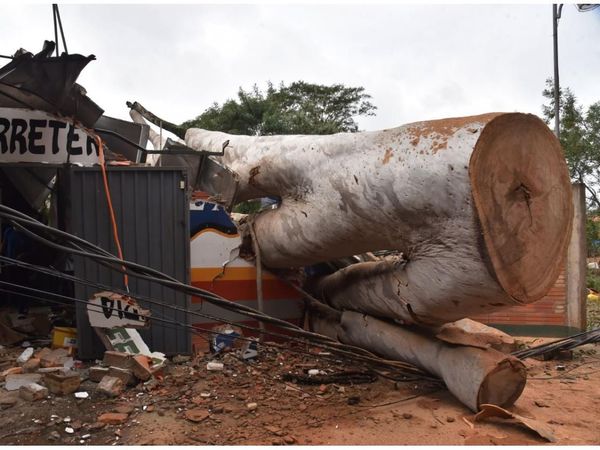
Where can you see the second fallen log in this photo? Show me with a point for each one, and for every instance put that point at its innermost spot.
(475, 376)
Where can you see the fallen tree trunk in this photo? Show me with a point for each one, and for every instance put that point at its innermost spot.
(474, 375)
(480, 207)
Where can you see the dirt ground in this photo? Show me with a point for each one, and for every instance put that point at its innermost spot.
(564, 395)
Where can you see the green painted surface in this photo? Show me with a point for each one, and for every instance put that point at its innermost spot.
(537, 330)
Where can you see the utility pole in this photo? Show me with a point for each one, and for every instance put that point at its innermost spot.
(556, 11)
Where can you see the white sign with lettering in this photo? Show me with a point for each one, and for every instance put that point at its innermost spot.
(37, 136)
(108, 310)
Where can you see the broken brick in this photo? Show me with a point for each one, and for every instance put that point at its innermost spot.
(54, 358)
(140, 365)
(113, 418)
(126, 375)
(117, 359)
(196, 415)
(111, 386)
(32, 365)
(62, 383)
(96, 373)
(11, 371)
(32, 392)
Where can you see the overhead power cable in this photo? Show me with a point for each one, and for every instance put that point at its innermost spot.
(138, 271)
(20, 221)
(291, 338)
(36, 294)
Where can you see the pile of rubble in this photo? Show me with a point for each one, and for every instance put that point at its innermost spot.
(78, 402)
(119, 370)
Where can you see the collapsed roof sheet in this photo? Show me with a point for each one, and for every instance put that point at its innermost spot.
(47, 83)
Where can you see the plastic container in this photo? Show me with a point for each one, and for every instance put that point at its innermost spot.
(64, 337)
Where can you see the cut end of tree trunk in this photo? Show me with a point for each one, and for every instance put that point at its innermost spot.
(522, 194)
(504, 384)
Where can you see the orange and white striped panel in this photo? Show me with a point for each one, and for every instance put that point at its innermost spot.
(217, 267)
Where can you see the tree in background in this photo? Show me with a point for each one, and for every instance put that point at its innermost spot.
(580, 139)
(300, 108)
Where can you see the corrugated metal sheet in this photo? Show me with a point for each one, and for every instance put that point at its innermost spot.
(152, 213)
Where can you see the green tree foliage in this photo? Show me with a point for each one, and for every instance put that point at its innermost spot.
(579, 137)
(592, 233)
(300, 108)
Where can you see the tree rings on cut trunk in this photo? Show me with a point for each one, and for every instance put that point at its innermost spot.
(522, 194)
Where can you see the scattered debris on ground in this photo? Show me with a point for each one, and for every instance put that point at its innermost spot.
(279, 397)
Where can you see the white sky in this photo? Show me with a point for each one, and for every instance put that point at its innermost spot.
(418, 62)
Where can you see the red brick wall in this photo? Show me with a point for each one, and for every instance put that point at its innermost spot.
(550, 310)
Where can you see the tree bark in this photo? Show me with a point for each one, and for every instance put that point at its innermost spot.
(480, 207)
(473, 375)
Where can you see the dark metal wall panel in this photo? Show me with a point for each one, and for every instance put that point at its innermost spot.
(152, 211)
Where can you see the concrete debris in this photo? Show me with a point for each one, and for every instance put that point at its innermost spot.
(25, 356)
(54, 358)
(110, 386)
(125, 375)
(117, 359)
(16, 381)
(96, 373)
(214, 366)
(33, 391)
